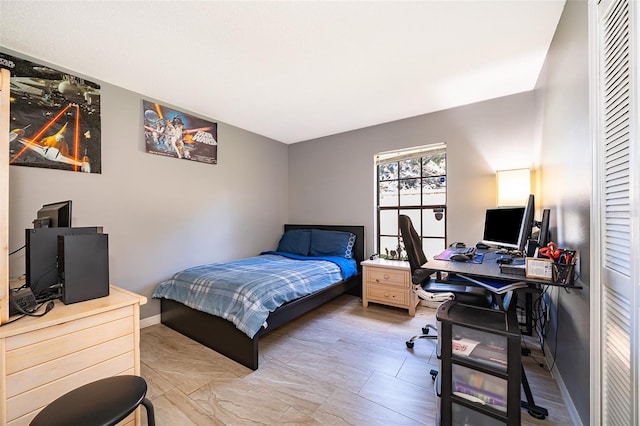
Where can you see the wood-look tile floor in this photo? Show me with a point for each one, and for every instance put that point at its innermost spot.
(340, 364)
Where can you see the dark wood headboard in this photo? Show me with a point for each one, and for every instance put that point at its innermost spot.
(358, 231)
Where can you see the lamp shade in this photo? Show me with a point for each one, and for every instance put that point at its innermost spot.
(514, 187)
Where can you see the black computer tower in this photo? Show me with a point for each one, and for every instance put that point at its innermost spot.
(42, 257)
(83, 266)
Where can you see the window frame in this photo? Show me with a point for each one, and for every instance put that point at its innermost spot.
(397, 157)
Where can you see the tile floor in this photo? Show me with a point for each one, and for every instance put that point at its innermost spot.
(340, 364)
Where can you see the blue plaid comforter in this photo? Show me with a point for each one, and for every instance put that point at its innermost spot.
(245, 291)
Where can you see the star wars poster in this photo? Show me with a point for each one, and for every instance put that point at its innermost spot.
(55, 118)
(175, 134)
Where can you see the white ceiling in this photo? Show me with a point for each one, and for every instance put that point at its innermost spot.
(294, 70)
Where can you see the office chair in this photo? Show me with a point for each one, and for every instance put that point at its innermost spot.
(426, 288)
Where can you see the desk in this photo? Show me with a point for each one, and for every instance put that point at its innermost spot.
(489, 270)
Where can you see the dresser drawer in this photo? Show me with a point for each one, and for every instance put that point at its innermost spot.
(31, 349)
(389, 277)
(46, 363)
(387, 294)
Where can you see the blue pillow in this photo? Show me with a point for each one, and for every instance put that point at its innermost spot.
(296, 241)
(332, 243)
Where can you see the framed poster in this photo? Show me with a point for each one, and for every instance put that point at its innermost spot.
(175, 134)
(55, 118)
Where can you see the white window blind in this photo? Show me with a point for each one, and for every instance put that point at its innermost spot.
(414, 152)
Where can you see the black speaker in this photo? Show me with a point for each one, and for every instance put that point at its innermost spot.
(83, 266)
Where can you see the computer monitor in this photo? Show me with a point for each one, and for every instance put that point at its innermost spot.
(509, 227)
(54, 215)
(543, 236)
(503, 227)
(527, 224)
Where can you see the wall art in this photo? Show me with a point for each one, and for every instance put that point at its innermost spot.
(55, 118)
(175, 134)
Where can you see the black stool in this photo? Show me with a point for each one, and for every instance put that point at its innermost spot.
(103, 402)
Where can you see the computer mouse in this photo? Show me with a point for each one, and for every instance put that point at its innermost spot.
(482, 246)
(504, 260)
(459, 257)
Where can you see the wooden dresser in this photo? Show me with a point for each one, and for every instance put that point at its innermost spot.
(43, 358)
(388, 282)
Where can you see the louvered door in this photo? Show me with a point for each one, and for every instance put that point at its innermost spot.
(617, 287)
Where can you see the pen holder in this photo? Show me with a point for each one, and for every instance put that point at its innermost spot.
(563, 273)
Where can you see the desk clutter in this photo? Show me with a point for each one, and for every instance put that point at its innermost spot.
(61, 262)
(553, 264)
(549, 263)
(459, 252)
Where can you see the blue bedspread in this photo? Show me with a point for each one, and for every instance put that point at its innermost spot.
(245, 291)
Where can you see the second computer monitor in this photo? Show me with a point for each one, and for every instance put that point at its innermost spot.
(54, 215)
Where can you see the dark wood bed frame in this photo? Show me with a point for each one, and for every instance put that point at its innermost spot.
(223, 337)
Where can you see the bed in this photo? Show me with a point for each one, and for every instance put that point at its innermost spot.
(223, 336)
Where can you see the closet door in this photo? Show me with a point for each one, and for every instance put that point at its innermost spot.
(616, 291)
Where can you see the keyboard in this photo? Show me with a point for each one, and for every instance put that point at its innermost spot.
(467, 251)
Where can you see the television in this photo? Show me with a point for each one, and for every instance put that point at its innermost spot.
(503, 227)
(54, 215)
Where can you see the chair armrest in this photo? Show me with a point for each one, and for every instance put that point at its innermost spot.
(421, 275)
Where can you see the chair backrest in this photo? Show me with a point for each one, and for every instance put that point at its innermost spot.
(412, 243)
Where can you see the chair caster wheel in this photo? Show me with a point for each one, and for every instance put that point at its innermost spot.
(537, 413)
(409, 344)
(433, 373)
(425, 330)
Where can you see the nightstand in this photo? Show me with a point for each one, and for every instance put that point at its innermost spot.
(388, 282)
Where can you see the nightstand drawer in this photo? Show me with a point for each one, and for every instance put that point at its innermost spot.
(386, 294)
(387, 277)
(388, 282)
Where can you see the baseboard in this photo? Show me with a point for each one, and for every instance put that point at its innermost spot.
(566, 397)
(149, 321)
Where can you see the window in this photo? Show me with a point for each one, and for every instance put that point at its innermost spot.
(412, 182)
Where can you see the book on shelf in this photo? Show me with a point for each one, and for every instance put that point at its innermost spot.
(463, 347)
(479, 395)
(483, 354)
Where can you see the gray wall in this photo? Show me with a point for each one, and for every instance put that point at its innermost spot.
(562, 94)
(332, 179)
(162, 214)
